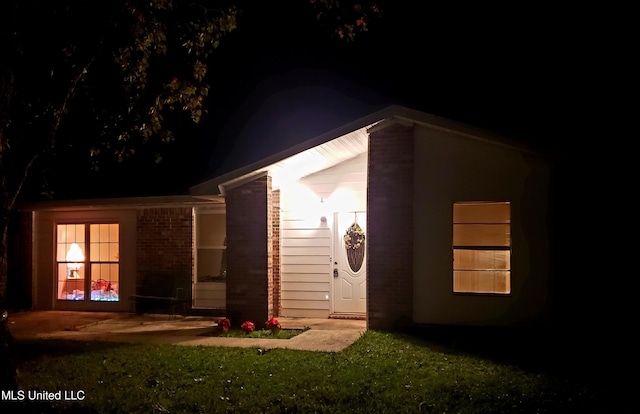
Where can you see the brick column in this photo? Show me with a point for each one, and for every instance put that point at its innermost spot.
(390, 227)
(249, 252)
(275, 214)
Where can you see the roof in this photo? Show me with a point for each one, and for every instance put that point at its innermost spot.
(335, 146)
(120, 203)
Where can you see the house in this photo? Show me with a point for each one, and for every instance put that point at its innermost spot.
(396, 216)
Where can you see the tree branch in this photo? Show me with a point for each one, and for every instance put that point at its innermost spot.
(25, 172)
(58, 115)
(71, 92)
(6, 95)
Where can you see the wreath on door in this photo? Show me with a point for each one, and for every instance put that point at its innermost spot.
(354, 243)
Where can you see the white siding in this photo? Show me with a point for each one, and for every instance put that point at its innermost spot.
(306, 272)
(306, 267)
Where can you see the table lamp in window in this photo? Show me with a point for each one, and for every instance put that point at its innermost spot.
(74, 259)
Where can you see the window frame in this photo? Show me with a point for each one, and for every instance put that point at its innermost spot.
(198, 213)
(87, 263)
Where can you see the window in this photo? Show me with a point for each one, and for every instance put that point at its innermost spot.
(482, 247)
(211, 246)
(87, 257)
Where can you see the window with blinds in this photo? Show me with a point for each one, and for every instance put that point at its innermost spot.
(482, 247)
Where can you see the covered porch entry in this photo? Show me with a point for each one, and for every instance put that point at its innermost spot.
(302, 221)
(330, 224)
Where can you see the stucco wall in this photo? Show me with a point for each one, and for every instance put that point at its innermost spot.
(450, 168)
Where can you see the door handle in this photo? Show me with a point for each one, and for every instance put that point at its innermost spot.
(335, 272)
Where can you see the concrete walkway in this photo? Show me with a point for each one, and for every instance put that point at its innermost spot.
(325, 335)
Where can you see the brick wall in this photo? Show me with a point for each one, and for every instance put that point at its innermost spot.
(270, 247)
(164, 250)
(250, 252)
(390, 227)
(275, 239)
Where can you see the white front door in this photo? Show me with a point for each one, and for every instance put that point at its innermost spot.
(349, 264)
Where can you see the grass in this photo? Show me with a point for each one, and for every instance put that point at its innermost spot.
(260, 333)
(380, 373)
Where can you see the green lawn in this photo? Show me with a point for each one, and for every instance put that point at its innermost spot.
(380, 373)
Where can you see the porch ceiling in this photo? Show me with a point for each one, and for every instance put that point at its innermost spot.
(309, 161)
(318, 158)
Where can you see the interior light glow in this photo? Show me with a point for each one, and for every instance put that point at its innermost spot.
(75, 259)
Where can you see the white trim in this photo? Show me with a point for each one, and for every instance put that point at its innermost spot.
(122, 203)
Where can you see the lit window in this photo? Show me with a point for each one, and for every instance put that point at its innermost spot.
(482, 247)
(91, 266)
(211, 246)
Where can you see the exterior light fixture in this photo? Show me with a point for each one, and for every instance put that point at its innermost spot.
(323, 216)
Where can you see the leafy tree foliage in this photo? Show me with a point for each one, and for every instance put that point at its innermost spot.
(133, 65)
(346, 19)
(121, 68)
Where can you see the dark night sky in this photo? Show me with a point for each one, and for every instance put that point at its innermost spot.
(518, 71)
(483, 68)
(510, 70)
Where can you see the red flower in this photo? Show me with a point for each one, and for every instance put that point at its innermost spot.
(223, 325)
(248, 327)
(272, 324)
